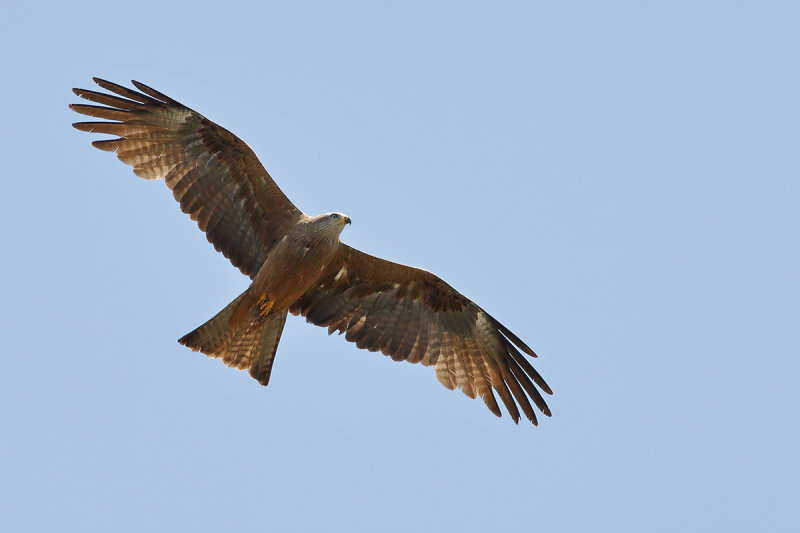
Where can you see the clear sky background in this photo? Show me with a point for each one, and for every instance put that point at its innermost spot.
(617, 182)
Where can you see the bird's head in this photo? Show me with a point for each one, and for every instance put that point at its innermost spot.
(330, 223)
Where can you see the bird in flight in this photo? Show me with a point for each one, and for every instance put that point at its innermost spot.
(297, 263)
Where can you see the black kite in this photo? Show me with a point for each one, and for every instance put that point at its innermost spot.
(299, 265)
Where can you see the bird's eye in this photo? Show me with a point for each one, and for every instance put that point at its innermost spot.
(334, 215)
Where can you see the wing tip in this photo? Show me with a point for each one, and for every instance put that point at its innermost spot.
(513, 338)
(109, 145)
(516, 419)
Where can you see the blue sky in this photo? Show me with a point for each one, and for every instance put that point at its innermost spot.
(616, 182)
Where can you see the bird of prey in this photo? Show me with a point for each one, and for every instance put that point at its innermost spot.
(297, 263)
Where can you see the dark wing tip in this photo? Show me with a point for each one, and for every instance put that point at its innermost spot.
(513, 338)
(110, 145)
(152, 92)
(125, 92)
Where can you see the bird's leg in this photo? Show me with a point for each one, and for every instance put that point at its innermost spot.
(264, 305)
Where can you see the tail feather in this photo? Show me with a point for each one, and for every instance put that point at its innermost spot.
(242, 338)
(212, 337)
(263, 341)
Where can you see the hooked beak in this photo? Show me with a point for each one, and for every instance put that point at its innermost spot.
(347, 220)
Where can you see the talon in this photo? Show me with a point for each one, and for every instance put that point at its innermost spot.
(264, 304)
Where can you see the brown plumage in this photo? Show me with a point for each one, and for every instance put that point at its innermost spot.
(299, 265)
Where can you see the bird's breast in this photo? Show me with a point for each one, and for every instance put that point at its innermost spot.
(290, 270)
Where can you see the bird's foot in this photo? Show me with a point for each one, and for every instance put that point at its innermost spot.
(264, 305)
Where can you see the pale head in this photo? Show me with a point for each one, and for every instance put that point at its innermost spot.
(328, 224)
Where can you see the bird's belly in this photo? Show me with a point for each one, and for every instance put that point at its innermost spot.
(284, 278)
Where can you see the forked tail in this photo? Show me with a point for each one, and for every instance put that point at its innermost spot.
(241, 336)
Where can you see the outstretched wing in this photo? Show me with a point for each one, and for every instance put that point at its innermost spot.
(214, 175)
(410, 314)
